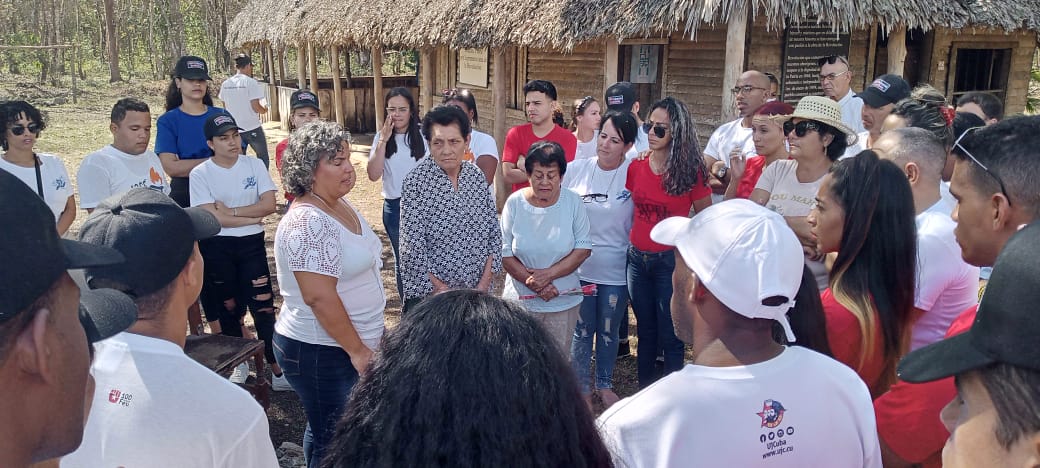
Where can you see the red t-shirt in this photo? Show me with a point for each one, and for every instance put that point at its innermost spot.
(752, 171)
(653, 204)
(521, 137)
(908, 414)
(846, 341)
(279, 150)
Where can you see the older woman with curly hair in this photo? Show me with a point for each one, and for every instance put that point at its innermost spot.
(328, 261)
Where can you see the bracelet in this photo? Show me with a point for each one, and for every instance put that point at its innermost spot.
(234, 211)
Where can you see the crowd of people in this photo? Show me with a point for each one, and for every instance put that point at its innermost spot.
(806, 289)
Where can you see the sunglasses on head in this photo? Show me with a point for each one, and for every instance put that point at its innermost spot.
(584, 104)
(801, 128)
(33, 128)
(659, 130)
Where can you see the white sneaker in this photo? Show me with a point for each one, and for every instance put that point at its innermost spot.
(240, 374)
(279, 384)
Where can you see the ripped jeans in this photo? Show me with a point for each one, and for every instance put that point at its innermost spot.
(599, 319)
(237, 278)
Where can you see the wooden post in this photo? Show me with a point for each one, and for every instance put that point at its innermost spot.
(897, 50)
(377, 84)
(281, 65)
(347, 74)
(312, 57)
(736, 35)
(610, 63)
(301, 67)
(426, 72)
(337, 86)
(499, 95)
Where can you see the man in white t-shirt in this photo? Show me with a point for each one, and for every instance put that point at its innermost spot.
(836, 81)
(752, 90)
(947, 285)
(153, 405)
(746, 400)
(879, 99)
(126, 163)
(242, 95)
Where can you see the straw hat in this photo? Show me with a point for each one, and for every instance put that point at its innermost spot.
(824, 110)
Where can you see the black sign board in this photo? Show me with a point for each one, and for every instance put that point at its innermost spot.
(804, 43)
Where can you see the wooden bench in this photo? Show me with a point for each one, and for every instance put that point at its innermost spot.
(222, 354)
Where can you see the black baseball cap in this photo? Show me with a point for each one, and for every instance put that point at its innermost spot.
(219, 124)
(886, 89)
(1006, 326)
(303, 98)
(192, 68)
(37, 257)
(156, 236)
(620, 96)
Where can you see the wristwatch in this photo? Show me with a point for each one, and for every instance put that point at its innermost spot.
(721, 173)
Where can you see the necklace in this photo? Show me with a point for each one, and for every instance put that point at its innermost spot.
(657, 168)
(351, 223)
(592, 183)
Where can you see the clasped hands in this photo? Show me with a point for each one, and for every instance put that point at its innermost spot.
(540, 281)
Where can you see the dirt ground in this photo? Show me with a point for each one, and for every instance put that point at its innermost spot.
(75, 130)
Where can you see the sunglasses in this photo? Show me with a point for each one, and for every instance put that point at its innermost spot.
(33, 128)
(659, 130)
(801, 128)
(957, 144)
(594, 197)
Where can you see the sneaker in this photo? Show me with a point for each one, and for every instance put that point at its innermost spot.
(240, 374)
(279, 384)
(623, 349)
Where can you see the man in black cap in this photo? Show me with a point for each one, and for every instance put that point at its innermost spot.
(621, 97)
(46, 329)
(879, 99)
(153, 404)
(995, 418)
(241, 95)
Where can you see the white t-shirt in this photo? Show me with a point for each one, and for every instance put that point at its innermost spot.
(799, 409)
(310, 240)
(609, 221)
(108, 172)
(540, 237)
(481, 144)
(789, 197)
(587, 149)
(241, 185)
(860, 145)
(399, 165)
(946, 284)
(642, 142)
(852, 111)
(57, 187)
(155, 406)
(237, 93)
(728, 136)
(947, 197)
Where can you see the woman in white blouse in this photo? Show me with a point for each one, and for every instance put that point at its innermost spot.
(545, 238)
(328, 261)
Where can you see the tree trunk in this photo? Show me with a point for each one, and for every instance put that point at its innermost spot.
(176, 40)
(113, 41)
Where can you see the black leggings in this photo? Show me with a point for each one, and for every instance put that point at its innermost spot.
(237, 278)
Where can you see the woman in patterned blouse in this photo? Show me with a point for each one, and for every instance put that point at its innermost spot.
(449, 230)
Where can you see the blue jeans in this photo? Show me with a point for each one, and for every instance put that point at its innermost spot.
(599, 319)
(650, 287)
(323, 377)
(392, 225)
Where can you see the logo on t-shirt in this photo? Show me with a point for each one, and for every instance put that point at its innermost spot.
(59, 183)
(248, 182)
(772, 413)
(118, 397)
(624, 195)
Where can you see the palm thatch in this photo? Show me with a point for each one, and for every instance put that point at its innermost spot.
(263, 22)
(561, 24)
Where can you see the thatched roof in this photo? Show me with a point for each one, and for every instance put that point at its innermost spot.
(263, 22)
(561, 24)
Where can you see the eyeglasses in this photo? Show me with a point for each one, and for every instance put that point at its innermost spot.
(957, 144)
(33, 128)
(801, 128)
(659, 130)
(397, 110)
(832, 76)
(746, 89)
(594, 197)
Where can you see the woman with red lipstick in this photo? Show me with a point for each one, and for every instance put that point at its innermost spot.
(865, 212)
(44, 173)
(668, 180)
(817, 138)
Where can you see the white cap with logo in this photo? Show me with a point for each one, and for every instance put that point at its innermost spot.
(743, 253)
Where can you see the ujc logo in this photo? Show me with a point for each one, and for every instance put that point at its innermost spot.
(249, 182)
(59, 183)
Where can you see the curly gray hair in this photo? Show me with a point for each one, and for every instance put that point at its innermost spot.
(307, 146)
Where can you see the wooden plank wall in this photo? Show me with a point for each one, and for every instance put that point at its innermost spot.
(358, 103)
(694, 75)
(1023, 46)
(576, 75)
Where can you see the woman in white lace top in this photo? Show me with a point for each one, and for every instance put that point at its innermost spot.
(328, 262)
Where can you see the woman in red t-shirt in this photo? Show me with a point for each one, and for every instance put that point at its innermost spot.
(767, 130)
(665, 181)
(865, 212)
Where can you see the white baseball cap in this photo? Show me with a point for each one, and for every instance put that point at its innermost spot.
(743, 253)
